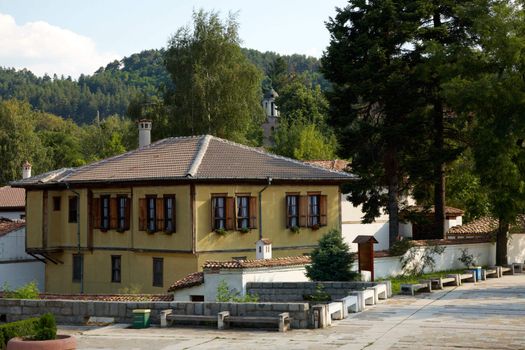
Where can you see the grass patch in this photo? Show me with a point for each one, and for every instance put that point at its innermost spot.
(397, 281)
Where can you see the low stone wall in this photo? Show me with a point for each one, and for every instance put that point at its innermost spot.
(294, 291)
(79, 311)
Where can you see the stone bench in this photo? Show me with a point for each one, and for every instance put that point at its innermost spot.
(335, 310)
(349, 304)
(468, 276)
(507, 270)
(380, 291)
(517, 267)
(167, 317)
(493, 272)
(282, 320)
(412, 288)
(441, 282)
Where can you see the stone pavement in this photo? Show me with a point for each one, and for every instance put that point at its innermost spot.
(487, 315)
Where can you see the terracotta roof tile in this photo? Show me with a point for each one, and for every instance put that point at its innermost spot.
(193, 279)
(7, 225)
(108, 297)
(485, 226)
(11, 197)
(196, 157)
(247, 264)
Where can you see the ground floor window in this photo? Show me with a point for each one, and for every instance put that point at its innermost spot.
(115, 268)
(158, 272)
(77, 267)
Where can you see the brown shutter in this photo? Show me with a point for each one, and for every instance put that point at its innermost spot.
(323, 210)
(287, 212)
(142, 214)
(303, 211)
(96, 213)
(212, 205)
(230, 213)
(127, 212)
(90, 220)
(159, 208)
(113, 218)
(253, 212)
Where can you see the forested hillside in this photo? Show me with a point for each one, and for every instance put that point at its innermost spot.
(110, 89)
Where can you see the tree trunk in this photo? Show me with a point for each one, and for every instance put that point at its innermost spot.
(391, 171)
(501, 242)
(439, 166)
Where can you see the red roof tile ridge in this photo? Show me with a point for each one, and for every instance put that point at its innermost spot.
(193, 279)
(254, 263)
(275, 156)
(203, 148)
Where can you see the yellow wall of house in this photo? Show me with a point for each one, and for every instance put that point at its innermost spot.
(34, 218)
(136, 269)
(273, 215)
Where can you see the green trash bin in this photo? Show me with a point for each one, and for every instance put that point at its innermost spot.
(141, 318)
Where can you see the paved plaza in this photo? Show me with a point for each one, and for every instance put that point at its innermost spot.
(488, 315)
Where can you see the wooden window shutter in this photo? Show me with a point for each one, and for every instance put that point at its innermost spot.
(212, 221)
(323, 210)
(142, 214)
(230, 213)
(253, 212)
(127, 212)
(303, 211)
(159, 208)
(95, 210)
(113, 218)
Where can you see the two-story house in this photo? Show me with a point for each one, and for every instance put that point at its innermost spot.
(153, 215)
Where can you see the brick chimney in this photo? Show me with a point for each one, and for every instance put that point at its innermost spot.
(26, 170)
(144, 132)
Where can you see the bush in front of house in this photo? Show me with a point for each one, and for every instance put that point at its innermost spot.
(27, 291)
(331, 260)
(47, 328)
(24, 328)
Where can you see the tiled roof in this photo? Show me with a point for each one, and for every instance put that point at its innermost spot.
(485, 226)
(11, 197)
(193, 279)
(7, 225)
(196, 157)
(450, 211)
(247, 264)
(105, 297)
(336, 164)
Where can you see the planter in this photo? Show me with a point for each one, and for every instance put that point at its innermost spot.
(62, 342)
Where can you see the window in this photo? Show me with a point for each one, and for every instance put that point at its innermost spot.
(56, 203)
(314, 214)
(151, 214)
(292, 211)
(243, 212)
(196, 298)
(115, 268)
(158, 272)
(73, 209)
(77, 267)
(219, 212)
(104, 212)
(121, 213)
(169, 213)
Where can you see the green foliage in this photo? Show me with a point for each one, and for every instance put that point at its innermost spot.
(216, 89)
(295, 229)
(27, 291)
(467, 259)
(225, 294)
(418, 259)
(402, 279)
(331, 260)
(319, 295)
(24, 328)
(47, 328)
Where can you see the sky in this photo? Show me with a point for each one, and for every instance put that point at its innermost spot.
(73, 37)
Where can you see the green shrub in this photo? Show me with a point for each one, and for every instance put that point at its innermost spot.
(27, 291)
(47, 328)
(225, 294)
(319, 295)
(24, 328)
(331, 260)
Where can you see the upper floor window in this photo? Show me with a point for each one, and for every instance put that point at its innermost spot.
(151, 216)
(169, 213)
(314, 214)
(56, 203)
(122, 213)
(73, 209)
(104, 212)
(292, 211)
(243, 212)
(219, 213)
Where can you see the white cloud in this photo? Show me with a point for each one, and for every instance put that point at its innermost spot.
(45, 48)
